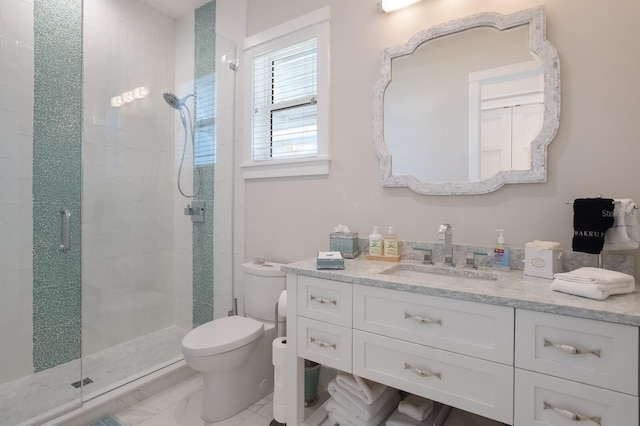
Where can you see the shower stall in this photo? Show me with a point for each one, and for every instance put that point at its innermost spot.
(116, 146)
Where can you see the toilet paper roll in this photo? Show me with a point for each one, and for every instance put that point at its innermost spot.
(279, 352)
(280, 413)
(280, 394)
(282, 304)
(279, 375)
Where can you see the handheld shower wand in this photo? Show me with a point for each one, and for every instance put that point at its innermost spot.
(180, 105)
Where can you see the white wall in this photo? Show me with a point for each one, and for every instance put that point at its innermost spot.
(596, 150)
(128, 174)
(16, 225)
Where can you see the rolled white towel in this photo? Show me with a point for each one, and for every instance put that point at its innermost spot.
(355, 404)
(345, 417)
(592, 291)
(399, 419)
(416, 407)
(589, 275)
(368, 391)
(339, 414)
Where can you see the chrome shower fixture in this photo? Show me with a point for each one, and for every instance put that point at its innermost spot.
(180, 105)
(174, 101)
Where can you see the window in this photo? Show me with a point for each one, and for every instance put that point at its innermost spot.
(289, 97)
(204, 131)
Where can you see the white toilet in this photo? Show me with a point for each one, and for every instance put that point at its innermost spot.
(234, 353)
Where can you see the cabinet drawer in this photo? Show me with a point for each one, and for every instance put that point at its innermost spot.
(325, 343)
(542, 400)
(469, 328)
(472, 384)
(325, 300)
(606, 354)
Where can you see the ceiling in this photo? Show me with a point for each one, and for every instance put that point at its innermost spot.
(175, 8)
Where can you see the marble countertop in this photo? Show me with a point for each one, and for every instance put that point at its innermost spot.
(511, 288)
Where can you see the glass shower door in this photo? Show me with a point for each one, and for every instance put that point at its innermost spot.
(136, 275)
(40, 84)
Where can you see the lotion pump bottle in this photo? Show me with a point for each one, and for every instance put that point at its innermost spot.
(501, 253)
(390, 243)
(375, 243)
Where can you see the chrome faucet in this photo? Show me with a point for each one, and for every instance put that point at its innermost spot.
(446, 233)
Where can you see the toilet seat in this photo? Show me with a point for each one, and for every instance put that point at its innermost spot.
(222, 335)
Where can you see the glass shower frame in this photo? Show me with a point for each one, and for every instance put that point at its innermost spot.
(102, 310)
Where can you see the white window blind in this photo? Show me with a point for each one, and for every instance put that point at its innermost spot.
(205, 142)
(285, 109)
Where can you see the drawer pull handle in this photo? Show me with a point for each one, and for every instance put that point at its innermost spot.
(422, 373)
(321, 343)
(323, 300)
(422, 320)
(571, 415)
(572, 349)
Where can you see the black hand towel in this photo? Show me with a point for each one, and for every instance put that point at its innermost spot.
(591, 219)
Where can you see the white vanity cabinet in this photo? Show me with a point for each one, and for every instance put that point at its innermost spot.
(453, 351)
(518, 366)
(324, 322)
(572, 370)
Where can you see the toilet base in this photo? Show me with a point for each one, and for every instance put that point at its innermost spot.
(227, 393)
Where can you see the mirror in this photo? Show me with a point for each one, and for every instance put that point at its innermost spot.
(468, 106)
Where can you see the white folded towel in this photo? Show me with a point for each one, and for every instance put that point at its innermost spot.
(399, 419)
(367, 390)
(357, 406)
(625, 232)
(589, 275)
(416, 407)
(341, 415)
(592, 291)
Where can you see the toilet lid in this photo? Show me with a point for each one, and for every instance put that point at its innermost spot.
(222, 335)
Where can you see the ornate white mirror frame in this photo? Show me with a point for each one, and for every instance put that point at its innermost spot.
(551, 117)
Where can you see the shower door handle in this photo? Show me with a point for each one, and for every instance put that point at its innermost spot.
(65, 230)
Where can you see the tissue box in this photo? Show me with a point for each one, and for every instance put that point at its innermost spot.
(329, 260)
(346, 243)
(542, 263)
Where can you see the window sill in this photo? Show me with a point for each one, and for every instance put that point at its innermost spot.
(286, 168)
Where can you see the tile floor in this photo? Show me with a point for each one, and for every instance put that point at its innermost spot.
(47, 391)
(180, 406)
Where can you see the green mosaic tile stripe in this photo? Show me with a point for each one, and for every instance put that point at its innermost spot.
(57, 180)
(205, 66)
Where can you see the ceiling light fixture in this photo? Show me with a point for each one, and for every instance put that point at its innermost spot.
(386, 6)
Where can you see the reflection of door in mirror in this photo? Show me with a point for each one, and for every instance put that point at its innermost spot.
(506, 138)
(510, 103)
(427, 104)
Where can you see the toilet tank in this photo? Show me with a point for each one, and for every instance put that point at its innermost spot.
(262, 287)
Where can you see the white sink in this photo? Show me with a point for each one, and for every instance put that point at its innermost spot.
(442, 274)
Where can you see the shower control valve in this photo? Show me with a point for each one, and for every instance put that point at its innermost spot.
(195, 210)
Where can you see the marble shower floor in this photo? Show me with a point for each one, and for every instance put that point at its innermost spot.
(51, 390)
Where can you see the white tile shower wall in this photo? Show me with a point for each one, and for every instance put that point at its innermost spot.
(184, 72)
(128, 174)
(16, 226)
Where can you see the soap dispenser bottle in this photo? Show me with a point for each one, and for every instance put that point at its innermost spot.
(390, 243)
(501, 253)
(375, 243)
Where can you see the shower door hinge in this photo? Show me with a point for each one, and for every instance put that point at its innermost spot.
(195, 210)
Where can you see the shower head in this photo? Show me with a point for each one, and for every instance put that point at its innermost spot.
(172, 100)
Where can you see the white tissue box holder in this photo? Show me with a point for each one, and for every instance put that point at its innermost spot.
(542, 263)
